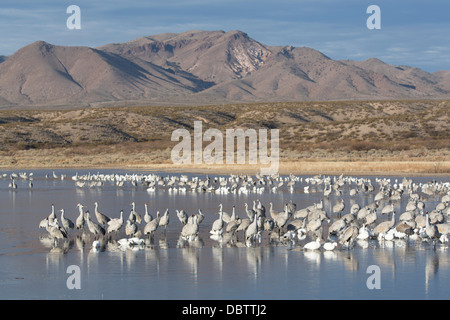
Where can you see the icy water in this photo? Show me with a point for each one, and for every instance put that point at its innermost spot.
(33, 267)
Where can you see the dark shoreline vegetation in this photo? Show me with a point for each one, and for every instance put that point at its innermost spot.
(338, 130)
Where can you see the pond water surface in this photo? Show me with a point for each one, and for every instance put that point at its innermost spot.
(34, 267)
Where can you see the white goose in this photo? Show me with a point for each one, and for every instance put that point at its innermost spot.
(313, 245)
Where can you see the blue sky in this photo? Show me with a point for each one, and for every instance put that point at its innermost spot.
(414, 33)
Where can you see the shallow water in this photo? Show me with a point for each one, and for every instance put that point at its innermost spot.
(32, 267)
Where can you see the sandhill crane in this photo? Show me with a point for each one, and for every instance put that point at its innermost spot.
(441, 206)
(190, 230)
(52, 215)
(273, 213)
(67, 223)
(243, 225)
(269, 224)
(301, 214)
(232, 226)
(260, 209)
(93, 227)
(411, 205)
(80, 221)
(339, 207)
(115, 224)
(362, 213)
(130, 228)
(43, 223)
(314, 226)
(431, 230)
(281, 219)
(436, 217)
(147, 216)
(420, 205)
(252, 231)
(371, 217)
(348, 236)
(49, 220)
(291, 207)
(406, 216)
(403, 229)
(327, 191)
(182, 216)
(55, 231)
(348, 218)
(132, 216)
(337, 226)
(443, 228)
(200, 216)
(137, 215)
(379, 196)
(101, 218)
(295, 225)
(225, 216)
(217, 226)
(384, 227)
(250, 212)
(164, 220)
(151, 227)
(388, 209)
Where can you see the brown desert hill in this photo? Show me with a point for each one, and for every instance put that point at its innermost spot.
(419, 81)
(202, 67)
(216, 56)
(443, 77)
(42, 73)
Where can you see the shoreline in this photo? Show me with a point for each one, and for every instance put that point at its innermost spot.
(325, 167)
(145, 158)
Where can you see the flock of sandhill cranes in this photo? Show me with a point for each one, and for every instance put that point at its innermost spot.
(340, 227)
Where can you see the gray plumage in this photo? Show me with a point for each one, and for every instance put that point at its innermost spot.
(66, 222)
(101, 218)
(80, 221)
(152, 226)
(93, 227)
(115, 224)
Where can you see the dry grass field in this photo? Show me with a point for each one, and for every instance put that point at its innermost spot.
(315, 137)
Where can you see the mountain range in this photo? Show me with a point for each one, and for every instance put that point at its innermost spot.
(201, 67)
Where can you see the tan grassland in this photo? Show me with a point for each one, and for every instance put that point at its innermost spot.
(159, 160)
(382, 137)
